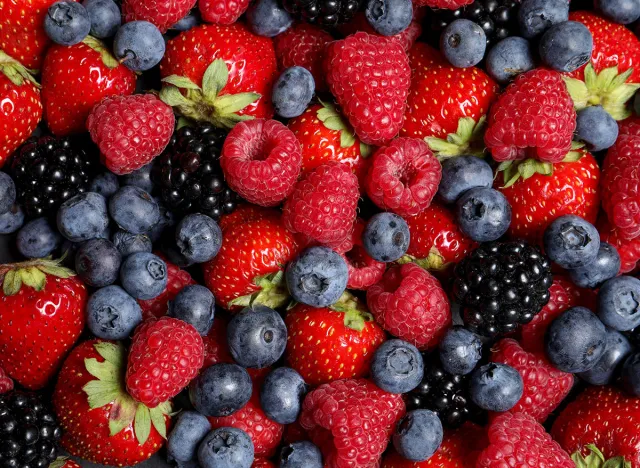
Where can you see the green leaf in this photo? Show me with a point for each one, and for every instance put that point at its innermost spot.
(465, 128)
(59, 462)
(172, 96)
(615, 103)
(334, 123)
(527, 168)
(621, 78)
(183, 122)
(504, 165)
(142, 424)
(57, 271)
(605, 78)
(578, 91)
(590, 77)
(353, 320)
(101, 393)
(33, 278)
(579, 460)
(103, 371)
(327, 111)
(215, 78)
(12, 283)
(232, 103)
(365, 150)
(347, 139)
(122, 413)
(180, 82)
(158, 421)
(97, 45)
(111, 353)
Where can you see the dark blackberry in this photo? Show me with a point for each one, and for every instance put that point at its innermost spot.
(29, 431)
(502, 285)
(328, 13)
(189, 174)
(498, 18)
(48, 170)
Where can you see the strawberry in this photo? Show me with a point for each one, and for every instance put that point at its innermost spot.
(262, 463)
(21, 108)
(76, 78)
(41, 317)
(628, 249)
(162, 13)
(244, 213)
(326, 344)
(6, 384)
(100, 421)
(225, 72)
(604, 417)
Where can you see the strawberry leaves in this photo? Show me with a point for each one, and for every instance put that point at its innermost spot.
(355, 313)
(332, 119)
(272, 293)
(107, 58)
(468, 139)
(596, 459)
(32, 273)
(16, 73)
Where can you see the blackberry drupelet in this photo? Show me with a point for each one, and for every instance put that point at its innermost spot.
(327, 13)
(29, 431)
(48, 170)
(189, 173)
(502, 285)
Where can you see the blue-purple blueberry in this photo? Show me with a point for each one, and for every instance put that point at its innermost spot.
(139, 45)
(536, 16)
(571, 242)
(7, 192)
(604, 267)
(195, 305)
(140, 178)
(596, 128)
(281, 395)
(463, 173)
(418, 435)
(38, 239)
(12, 220)
(302, 454)
(134, 210)
(83, 217)
(105, 17)
(567, 46)
(198, 238)
(128, 243)
(619, 11)
(143, 275)
(389, 17)
(509, 58)
(463, 43)
(220, 390)
(226, 447)
(397, 366)
(619, 303)
(268, 18)
(460, 351)
(483, 214)
(98, 262)
(617, 349)
(185, 437)
(386, 237)
(112, 314)
(67, 23)
(106, 183)
(631, 375)
(292, 92)
(496, 387)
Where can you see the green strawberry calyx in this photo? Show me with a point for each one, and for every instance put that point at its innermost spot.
(596, 459)
(273, 292)
(59, 462)
(607, 89)
(432, 262)
(332, 119)
(356, 314)
(32, 273)
(205, 103)
(107, 57)
(468, 140)
(109, 388)
(15, 71)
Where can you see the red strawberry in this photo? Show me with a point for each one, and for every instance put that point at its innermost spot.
(604, 417)
(162, 13)
(326, 344)
(403, 177)
(222, 12)
(21, 109)
(534, 118)
(241, 68)
(130, 130)
(629, 250)
(544, 386)
(165, 355)
(370, 77)
(410, 303)
(359, 23)
(6, 384)
(76, 78)
(64, 462)
(364, 271)
(245, 213)
(351, 421)
(101, 423)
(41, 317)
(515, 437)
(323, 204)
(261, 161)
(303, 45)
(262, 463)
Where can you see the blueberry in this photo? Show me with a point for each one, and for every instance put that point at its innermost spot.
(37, 239)
(12, 220)
(496, 387)
(190, 21)
(509, 58)
(257, 337)
(281, 395)
(167, 219)
(134, 210)
(571, 242)
(397, 366)
(567, 46)
(112, 314)
(67, 23)
(386, 237)
(143, 275)
(7, 193)
(616, 350)
(619, 11)
(268, 18)
(619, 303)
(195, 305)
(187, 433)
(128, 243)
(292, 92)
(98, 262)
(536, 16)
(596, 128)
(317, 277)
(139, 45)
(631, 374)
(83, 217)
(140, 178)
(106, 184)
(226, 447)
(389, 17)
(576, 340)
(483, 214)
(105, 17)
(198, 238)
(463, 43)
(462, 173)
(303, 454)
(418, 435)
(605, 266)
(220, 390)
(460, 351)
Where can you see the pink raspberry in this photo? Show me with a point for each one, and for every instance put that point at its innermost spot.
(222, 11)
(364, 271)
(6, 384)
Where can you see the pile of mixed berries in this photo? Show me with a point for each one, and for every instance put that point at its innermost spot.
(320, 233)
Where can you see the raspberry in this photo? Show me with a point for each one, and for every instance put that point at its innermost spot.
(406, 38)
(130, 130)
(404, 177)
(162, 13)
(534, 117)
(410, 303)
(444, 4)
(261, 161)
(222, 12)
(323, 204)
(364, 271)
(6, 384)
(165, 355)
(351, 421)
(544, 386)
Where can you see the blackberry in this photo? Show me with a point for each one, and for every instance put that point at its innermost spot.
(327, 13)
(189, 174)
(29, 431)
(498, 18)
(48, 170)
(502, 285)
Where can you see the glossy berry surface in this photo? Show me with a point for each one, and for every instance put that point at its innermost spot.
(323, 12)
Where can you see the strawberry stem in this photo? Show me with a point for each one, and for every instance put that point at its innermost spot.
(33, 273)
